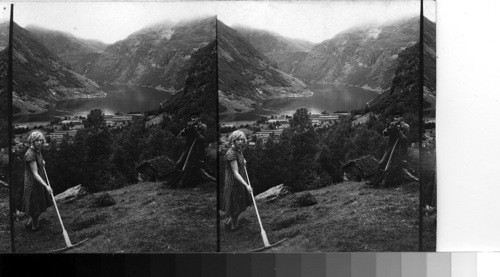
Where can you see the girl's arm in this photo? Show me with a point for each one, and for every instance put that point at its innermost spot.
(234, 167)
(34, 170)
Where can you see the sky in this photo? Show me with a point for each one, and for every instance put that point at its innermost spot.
(105, 21)
(313, 21)
(4, 12)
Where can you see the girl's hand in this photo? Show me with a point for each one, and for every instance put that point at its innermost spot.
(249, 188)
(49, 189)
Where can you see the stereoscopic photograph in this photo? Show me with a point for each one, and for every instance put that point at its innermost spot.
(234, 126)
(319, 114)
(114, 119)
(5, 238)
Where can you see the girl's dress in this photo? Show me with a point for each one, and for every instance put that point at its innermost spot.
(236, 196)
(36, 198)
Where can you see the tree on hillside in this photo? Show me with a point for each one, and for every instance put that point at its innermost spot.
(95, 121)
(334, 148)
(365, 141)
(66, 164)
(302, 142)
(97, 143)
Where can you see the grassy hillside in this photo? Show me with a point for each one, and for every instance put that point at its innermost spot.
(4, 221)
(348, 217)
(147, 217)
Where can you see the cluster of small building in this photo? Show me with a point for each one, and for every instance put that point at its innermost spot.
(68, 127)
(274, 126)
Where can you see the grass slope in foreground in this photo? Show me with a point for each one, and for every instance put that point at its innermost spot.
(5, 220)
(147, 217)
(348, 217)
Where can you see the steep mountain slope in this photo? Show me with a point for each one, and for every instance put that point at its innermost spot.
(4, 41)
(364, 56)
(3, 98)
(430, 62)
(4, 35)
(78, 53)
(156, 56)
(403, 95)
(246, 76)
(285, 52)
(41, 78)
(200, 92)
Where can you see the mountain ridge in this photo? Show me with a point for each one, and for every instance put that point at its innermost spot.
(285, 52)
(155, 56)
(362, 56)
(41, 78)
(78, 53)
(247, 77)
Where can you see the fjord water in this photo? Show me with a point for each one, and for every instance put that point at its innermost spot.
(119, 98)
(327, 97)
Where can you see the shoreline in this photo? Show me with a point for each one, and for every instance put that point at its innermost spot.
(59, 113)
(269, 112)
(159, 87)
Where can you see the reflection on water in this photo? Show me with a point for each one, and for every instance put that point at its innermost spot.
(330, 98)
(122, 99)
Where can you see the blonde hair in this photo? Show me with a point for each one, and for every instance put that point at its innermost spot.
(237, 135)
(36, 135)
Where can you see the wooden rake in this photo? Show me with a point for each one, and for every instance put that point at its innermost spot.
(263, 234)
(69, 245)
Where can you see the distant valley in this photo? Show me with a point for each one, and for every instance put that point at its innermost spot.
(247, 77)
(79, 54)
(41, 78)
(363, 56)
(157, 56)
(253, 65)
(52, 66)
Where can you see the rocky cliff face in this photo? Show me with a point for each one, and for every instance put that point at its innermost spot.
(246, 76)
(285, 52)
(79, 54)
(41, 78)
(363, 56)
(156, 56)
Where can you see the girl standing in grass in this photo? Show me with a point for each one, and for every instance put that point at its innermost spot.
(36, 197)
(236, 189)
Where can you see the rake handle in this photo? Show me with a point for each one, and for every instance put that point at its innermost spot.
(390, 157)
(65, 234)
(188, 155)
(262, 231)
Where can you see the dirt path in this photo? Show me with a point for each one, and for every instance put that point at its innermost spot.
(147, 217)
(348, 217)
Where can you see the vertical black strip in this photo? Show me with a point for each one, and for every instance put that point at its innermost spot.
(218, 134)
(9, 127)
(420, 126)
